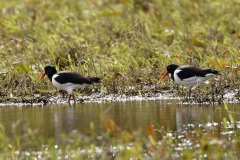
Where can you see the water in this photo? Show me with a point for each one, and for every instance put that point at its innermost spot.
(52, 120)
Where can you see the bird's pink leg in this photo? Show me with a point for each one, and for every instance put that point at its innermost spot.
(71, 95)
(189, 92)
(69, 98)
(74, 98)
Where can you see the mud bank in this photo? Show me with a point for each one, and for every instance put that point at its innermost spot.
(38, 100)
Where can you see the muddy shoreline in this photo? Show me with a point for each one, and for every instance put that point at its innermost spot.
(42, 100)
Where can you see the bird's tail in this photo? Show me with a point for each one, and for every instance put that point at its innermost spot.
(213, 71)
(95, 80)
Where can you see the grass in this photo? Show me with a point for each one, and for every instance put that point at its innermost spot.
(137, 39)
(113, 40)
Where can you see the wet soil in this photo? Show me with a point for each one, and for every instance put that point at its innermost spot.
(57, 98)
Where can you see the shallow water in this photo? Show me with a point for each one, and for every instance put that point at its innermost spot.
(52, 120)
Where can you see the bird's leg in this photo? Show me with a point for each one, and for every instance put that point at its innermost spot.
(73, 98)
(69, 98)
(71, 95)
(189, 92)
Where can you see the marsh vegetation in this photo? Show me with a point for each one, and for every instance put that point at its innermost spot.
(127, 44)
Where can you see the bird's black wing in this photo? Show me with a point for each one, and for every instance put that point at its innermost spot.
(191, 71)
(75, 78)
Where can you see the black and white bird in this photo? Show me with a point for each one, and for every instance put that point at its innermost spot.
(68, 81)
(188, 75)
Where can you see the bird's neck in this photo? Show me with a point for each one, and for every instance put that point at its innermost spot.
(50, 76)
(172, 76)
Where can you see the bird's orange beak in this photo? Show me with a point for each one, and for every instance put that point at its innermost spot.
(41, 77)
(160, 80)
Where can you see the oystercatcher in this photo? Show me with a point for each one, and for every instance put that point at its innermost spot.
(68, 81)
(188, 75)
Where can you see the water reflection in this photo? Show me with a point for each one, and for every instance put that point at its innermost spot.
(52, 120)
